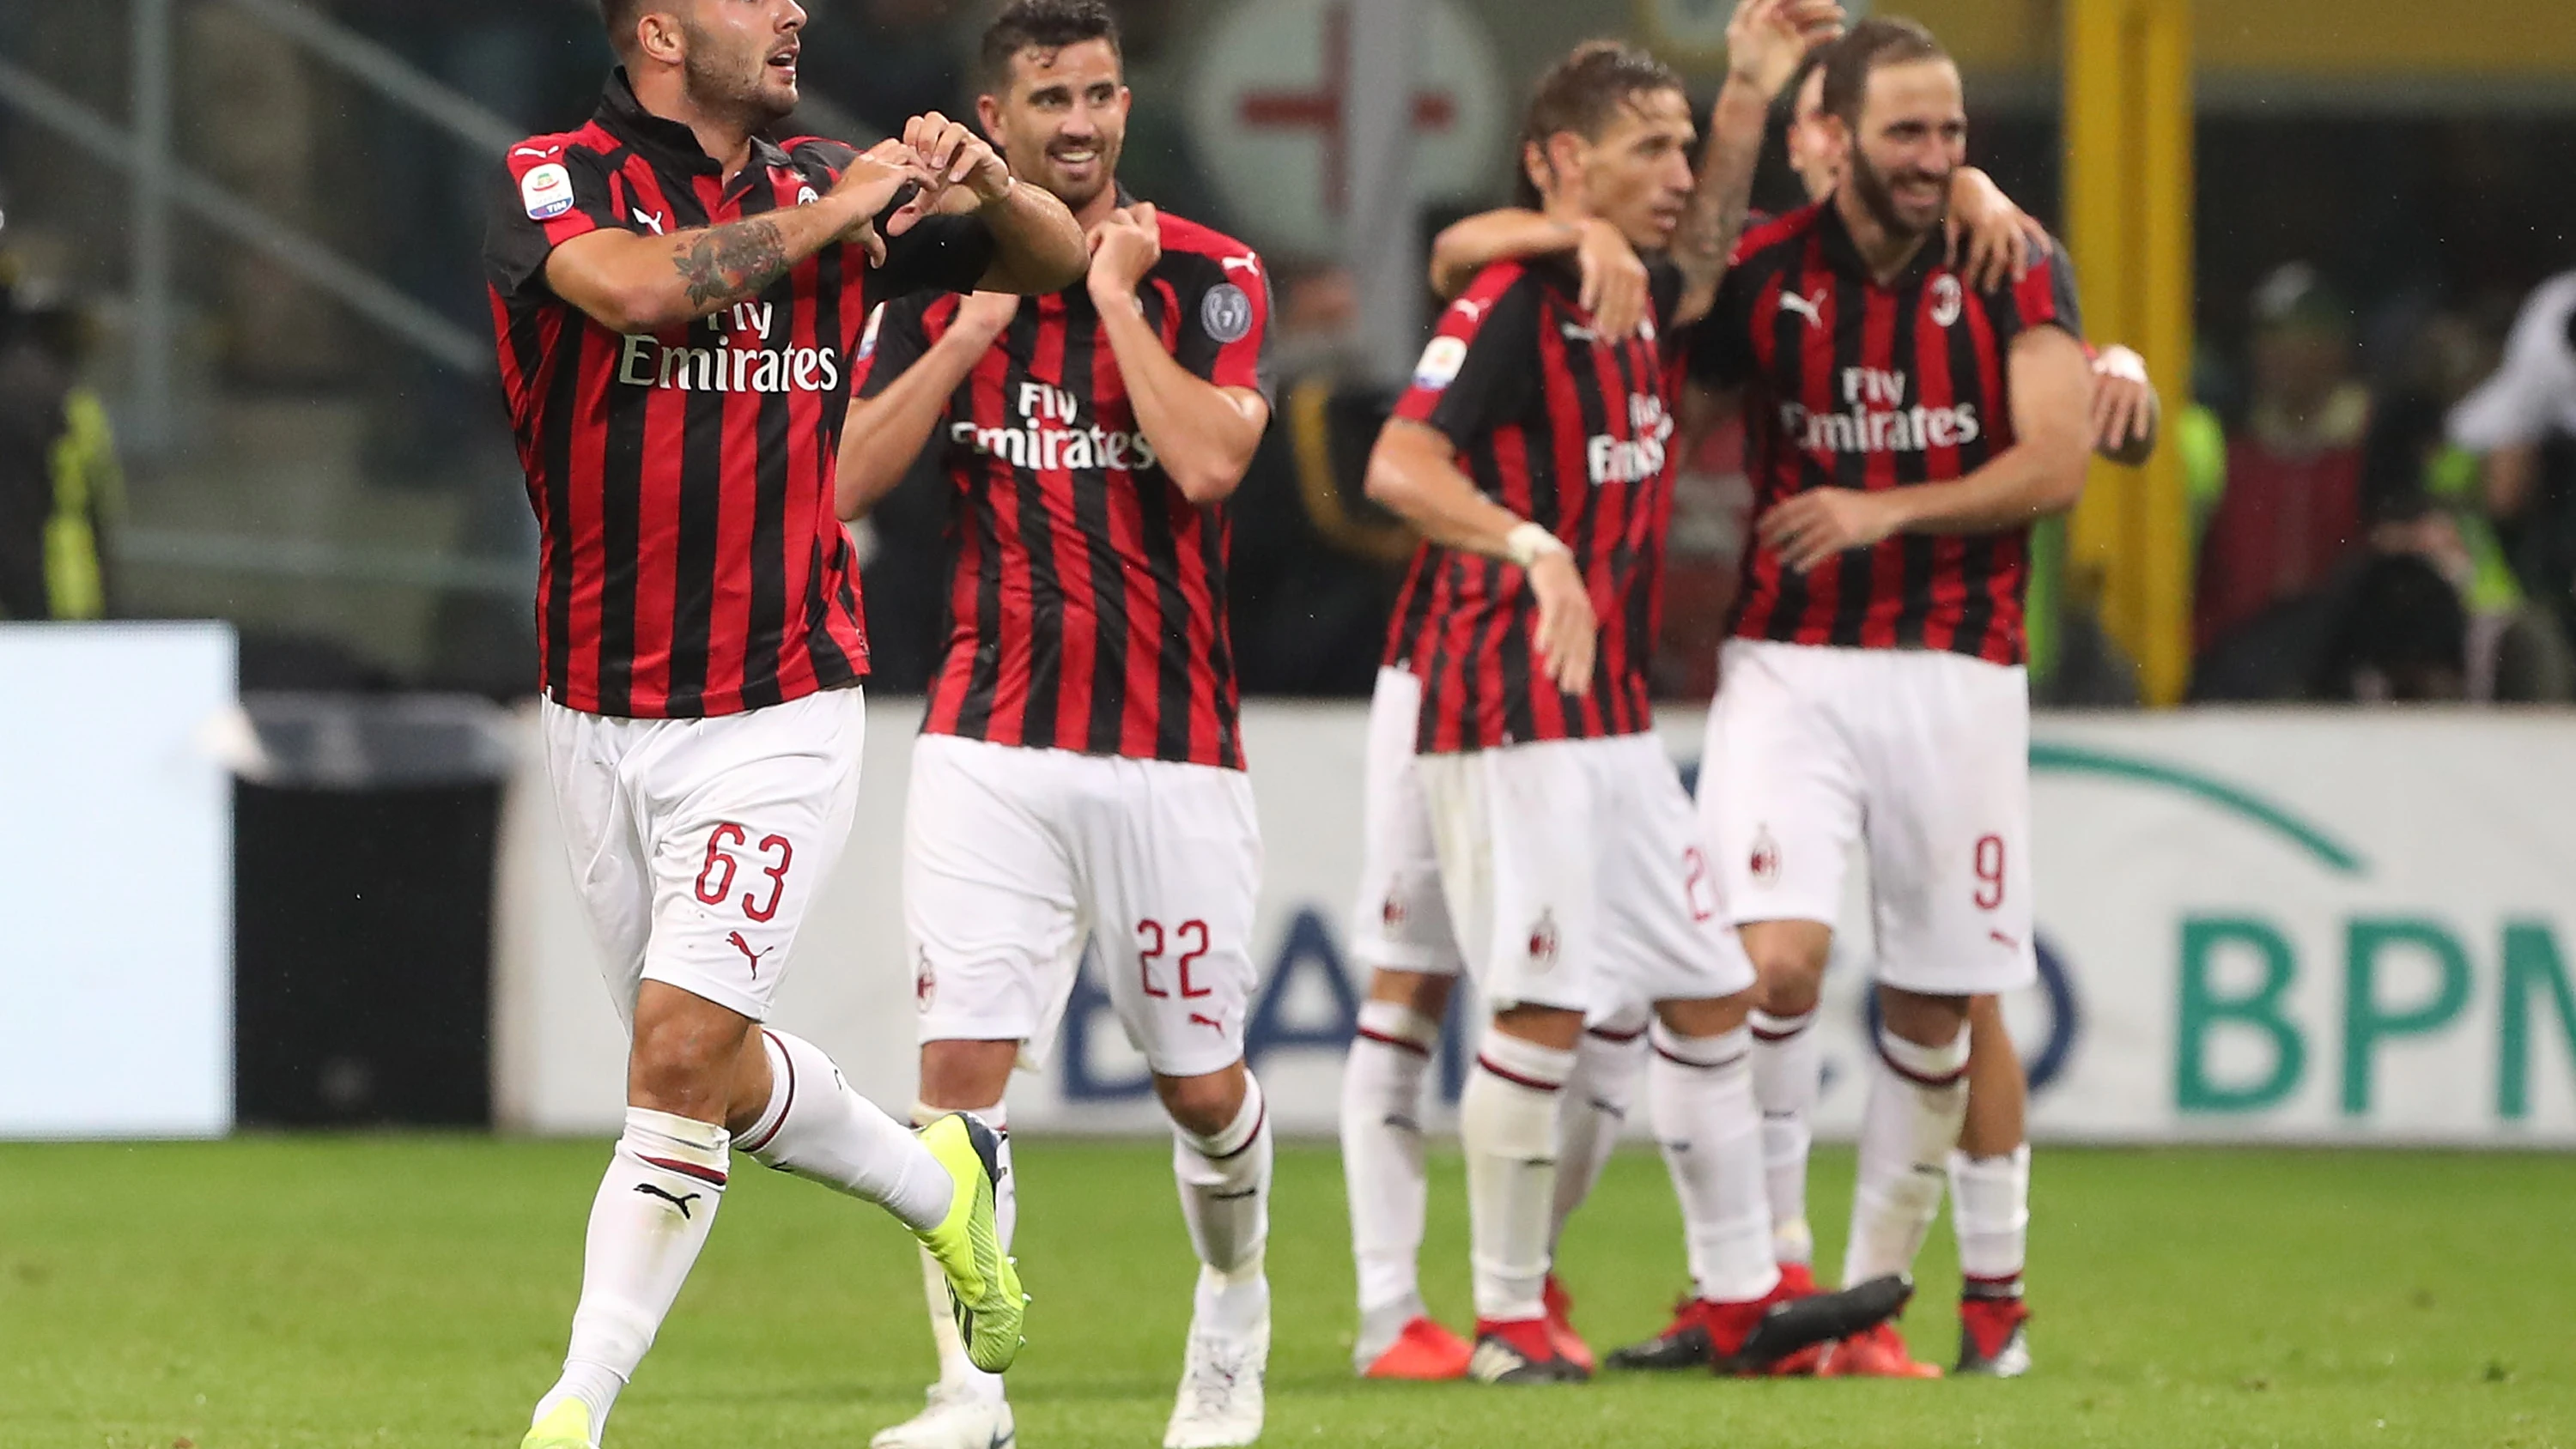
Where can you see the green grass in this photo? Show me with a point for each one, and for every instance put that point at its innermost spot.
(408, 1291)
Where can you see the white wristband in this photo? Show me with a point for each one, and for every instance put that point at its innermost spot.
(1529, 543)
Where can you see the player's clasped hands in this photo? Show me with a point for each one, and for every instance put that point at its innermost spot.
(957, 155)
(874, 180)
(1568, 631)
(1123, 249)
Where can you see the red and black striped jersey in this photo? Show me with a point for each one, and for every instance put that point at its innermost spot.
(1571, 430)
(1854, 384)
(1086, 606)
(690, 561)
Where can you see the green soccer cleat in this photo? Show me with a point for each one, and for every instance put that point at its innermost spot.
(983, 1283)
(568, 1427)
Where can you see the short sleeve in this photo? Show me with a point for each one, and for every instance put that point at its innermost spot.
(545, 195)
(2044, 297)
(897, 335)
(939, 254)
(1225, 325)
(2533, 392)
(1481, 368)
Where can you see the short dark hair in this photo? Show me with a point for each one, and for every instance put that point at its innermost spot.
(1044, 25)
(1877, 41)
(620, 17)
(1580, 94)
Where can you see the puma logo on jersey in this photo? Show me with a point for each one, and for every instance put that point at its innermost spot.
(1811, 308)
(1250, 264)
(1584, 335)
(653, 219)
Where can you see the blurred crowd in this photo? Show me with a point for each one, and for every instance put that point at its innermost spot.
(2382, 476)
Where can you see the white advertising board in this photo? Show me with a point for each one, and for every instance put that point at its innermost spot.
(116, 879)
(2318, 927)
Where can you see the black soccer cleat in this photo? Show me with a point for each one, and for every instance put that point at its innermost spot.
(1498, 1360)
(1802, 1323)
(1684, 1344)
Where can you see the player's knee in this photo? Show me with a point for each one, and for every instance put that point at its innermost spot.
(966, 1076)
(1790, 963)
(1204, 1106)
(1715, 1016)
(1414, 990)
(1924, 1020)
(684, 1062)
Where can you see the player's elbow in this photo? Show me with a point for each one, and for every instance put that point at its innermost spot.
(1391, 484)
(1206, 485)
(632, 308)
(2062, 470)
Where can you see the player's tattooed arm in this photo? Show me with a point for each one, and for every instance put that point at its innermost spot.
(1765, 42)
(642, 281)
(1617, 289)
(729, 264)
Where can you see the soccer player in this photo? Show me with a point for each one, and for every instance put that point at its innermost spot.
(1989, 1171)
(1080, 773)
(1382, 1089)
(1558, 833)
(1906, 430)
(675, 300)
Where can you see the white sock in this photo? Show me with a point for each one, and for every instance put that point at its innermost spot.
(1918, 1097)
(1382, 1168)
(958, 1375)
(1225, 1186)
(659, 1197)
(1590, 1113)
(1990, 1208)
(1788, 1075)
(1507, 1123)
(820, 1130)
(1700, 1092)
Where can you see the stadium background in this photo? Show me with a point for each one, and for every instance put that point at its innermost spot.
(272, 857)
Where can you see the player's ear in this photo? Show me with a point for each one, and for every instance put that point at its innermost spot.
(1566, 154)
(658, 37)
(988, 109)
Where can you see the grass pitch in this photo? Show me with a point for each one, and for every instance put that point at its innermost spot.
(415, 1291)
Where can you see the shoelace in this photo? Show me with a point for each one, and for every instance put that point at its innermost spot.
(1213, 1375)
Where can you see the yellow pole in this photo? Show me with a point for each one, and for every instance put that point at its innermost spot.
(2129, 209)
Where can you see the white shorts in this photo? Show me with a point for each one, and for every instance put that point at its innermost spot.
(1014, 858)
(1401, 922)
(1574, 872)
(696, 843)
(1922, 756)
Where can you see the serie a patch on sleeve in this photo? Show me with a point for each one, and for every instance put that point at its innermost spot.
(547, 191)
(1440, 364)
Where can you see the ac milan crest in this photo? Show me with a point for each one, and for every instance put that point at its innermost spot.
(1766, 858)
(925, 983)
(1543, 941)
(1391, 915)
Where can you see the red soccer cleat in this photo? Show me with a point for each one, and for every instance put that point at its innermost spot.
(1782, 1333)
(1992, 1343)
(1878, 1353)
(1519, 1351)
(1424, 1352)
(1569, 1345)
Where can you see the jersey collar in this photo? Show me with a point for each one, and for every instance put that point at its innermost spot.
(668, 144)
(1843, 254)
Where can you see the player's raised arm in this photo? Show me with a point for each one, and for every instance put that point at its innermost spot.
(1037, 245)
(902, 390)
(1765, 42)
(629, 282)
(2040, 476)
(1204, 432)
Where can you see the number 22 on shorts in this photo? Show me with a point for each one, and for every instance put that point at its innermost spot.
(1152, 940)
(715, 878)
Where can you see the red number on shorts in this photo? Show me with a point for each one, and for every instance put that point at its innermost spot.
(713, 888)
(1146, 956)
(777, 878)
(1990, 873)
(1695, 884)
(1188, 992)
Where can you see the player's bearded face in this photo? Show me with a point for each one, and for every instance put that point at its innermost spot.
(1637, 174)
(1913, 139)
(741, 60)
(1064, 123)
